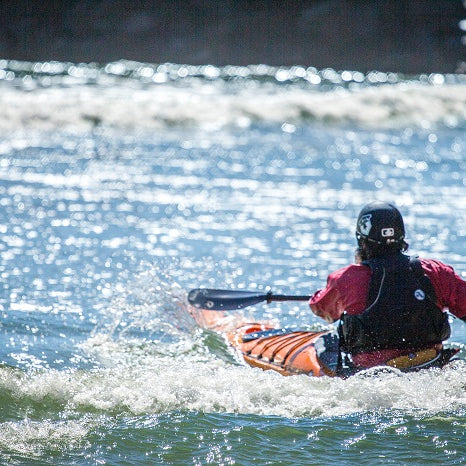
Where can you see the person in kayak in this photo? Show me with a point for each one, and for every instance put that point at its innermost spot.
(391, 306)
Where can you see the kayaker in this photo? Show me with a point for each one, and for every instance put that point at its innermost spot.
(391, 306)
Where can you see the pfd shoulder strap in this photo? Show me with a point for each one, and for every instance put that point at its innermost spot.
(424, 281)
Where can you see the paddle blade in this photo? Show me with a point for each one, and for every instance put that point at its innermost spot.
(224, 300)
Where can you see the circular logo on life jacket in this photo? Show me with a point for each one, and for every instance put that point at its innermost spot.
(419, 295)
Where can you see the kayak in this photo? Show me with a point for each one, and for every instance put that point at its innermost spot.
(291, 352)
(264, 346)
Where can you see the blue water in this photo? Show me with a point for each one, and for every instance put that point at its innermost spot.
(123, 187)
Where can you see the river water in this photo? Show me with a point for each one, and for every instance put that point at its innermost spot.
(125, 185)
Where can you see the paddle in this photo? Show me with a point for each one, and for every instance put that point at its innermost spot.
(227, 300)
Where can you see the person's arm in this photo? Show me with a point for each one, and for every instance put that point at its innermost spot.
(449, 287)
(346, 290)
(323, 303)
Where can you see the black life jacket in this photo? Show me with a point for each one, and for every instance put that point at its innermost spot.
(402, 311)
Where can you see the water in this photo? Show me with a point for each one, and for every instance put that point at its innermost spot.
(124, 186)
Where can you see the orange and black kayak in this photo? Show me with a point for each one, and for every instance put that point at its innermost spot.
(264, 346)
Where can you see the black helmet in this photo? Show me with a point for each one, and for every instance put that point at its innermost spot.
(381, 223)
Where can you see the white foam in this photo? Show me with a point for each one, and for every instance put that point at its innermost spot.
(215, 386)
(82, 107)
(31, 438)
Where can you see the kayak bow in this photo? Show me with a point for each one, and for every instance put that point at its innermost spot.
(264, 346)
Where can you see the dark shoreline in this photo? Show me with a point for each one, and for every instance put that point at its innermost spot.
(413, 37)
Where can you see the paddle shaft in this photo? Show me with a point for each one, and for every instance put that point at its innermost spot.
(283, 297)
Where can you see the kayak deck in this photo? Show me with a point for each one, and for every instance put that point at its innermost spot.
(264, 346)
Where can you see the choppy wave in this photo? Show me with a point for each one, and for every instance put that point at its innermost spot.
(169, 385)
(134, 96)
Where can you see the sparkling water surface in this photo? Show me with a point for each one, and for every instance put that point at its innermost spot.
(123, 187)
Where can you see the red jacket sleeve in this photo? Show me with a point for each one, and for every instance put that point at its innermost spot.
(449, 287)
(346, 290)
